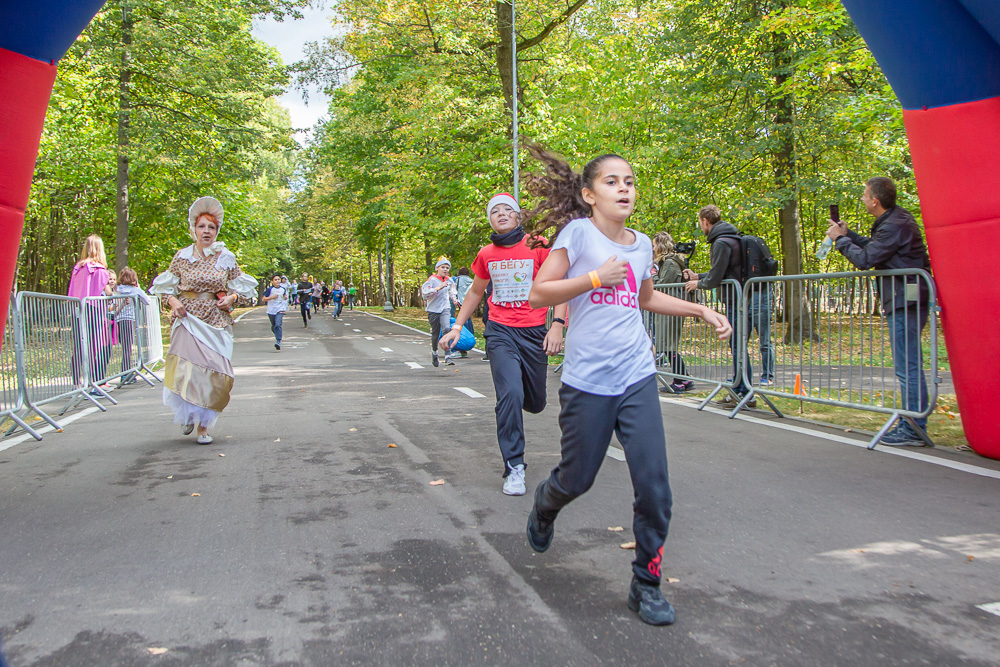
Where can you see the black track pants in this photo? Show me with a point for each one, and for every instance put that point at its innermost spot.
(587, 421)
(518, 364)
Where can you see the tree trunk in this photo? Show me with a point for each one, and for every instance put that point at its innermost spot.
(124, 108)
(390, 281)
(504, 14)
(797, 314)
(381, 278)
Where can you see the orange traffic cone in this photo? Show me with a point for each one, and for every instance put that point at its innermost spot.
(799, 390)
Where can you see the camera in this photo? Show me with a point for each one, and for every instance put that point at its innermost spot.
(686, 248)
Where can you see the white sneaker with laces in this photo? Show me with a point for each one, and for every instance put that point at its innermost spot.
(513, 484)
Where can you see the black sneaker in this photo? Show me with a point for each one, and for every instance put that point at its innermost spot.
(647, 599)
(277, 346)
(539, 531)
(434, 360)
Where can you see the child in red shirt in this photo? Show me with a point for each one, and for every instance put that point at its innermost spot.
(516, 340)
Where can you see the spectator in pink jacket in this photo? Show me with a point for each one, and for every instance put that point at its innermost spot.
(90, 278)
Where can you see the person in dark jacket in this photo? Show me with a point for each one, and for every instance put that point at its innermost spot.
(895, 243)
(667, 334)
(726, 265)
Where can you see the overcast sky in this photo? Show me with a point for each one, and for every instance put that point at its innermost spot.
(288, 37)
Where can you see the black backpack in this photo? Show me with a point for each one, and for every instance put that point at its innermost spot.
(756, 258)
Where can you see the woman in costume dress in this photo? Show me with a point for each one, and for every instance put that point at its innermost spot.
(201, 286)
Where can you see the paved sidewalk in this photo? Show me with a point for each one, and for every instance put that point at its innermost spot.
(301, 538)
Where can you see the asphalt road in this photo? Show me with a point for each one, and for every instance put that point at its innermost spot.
(301, 538)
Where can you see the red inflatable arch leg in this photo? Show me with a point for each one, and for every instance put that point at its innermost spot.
(955, 151)
(25, 87)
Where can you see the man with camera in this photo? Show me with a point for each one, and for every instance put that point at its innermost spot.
(895, 243)
(727, 264)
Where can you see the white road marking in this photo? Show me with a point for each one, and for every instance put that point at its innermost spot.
(892, 451)
(369, 337)
(423, 333)
(358, 330)
(46, 429)
(386, 349)
(242, 315)
(615, 453)
(471, 393)
(991, 607)
(414, 365)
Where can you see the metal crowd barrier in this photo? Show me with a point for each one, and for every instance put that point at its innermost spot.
(150, 335)
(63, 349)
(688, 349)
(118, 328)
(11, 387)
(828, 339)
(54, 359)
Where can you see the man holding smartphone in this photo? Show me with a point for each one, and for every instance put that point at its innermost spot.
(895, 242)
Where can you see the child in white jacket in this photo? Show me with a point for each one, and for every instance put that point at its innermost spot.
(439, 293)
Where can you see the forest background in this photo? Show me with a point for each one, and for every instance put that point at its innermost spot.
(772, 109)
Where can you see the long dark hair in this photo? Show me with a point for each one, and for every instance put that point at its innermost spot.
(560, 190)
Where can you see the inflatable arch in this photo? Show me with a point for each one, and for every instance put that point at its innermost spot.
(942, 58)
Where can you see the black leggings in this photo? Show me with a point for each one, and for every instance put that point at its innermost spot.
(587, 422)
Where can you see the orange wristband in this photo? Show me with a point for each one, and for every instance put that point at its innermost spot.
(595, 280)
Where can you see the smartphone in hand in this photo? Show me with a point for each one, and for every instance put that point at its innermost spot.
(835, 212)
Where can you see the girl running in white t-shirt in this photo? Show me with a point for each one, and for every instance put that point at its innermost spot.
(602, 269)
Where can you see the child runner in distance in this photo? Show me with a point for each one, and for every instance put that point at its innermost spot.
(439, 293)
(602, 268)
(516, 340)
(277, 303)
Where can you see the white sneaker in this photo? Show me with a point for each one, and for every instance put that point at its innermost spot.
(513, 484)
(205, 439)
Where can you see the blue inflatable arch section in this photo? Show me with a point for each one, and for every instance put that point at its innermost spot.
(942, 58)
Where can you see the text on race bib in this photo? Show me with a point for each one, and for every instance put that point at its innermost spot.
(511, 279)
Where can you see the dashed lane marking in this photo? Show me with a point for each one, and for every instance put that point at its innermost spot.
(386, 349)
(414, 365)
(369, 337)
(615, 453)
(892, 451)
(358, 330)
(991, 607)
(471, 393)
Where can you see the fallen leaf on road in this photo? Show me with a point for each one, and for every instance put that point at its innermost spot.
(393, 445)
(628, 545)
(222, 455)
(468, 414)
(437, 482)
(352, 430)
(170, 476)
(157, 651)
(848, 430)
(857, 551)
(971, 557)
(671, 580)
(615, 529)
(379, 398)
(301, 389)
(278, 440)
(195, 495)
